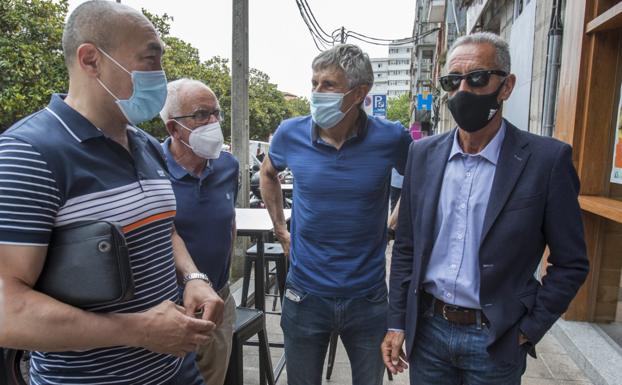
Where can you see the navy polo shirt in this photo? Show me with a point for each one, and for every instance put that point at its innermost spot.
(206, 212)
(340, 203)
(57, 168)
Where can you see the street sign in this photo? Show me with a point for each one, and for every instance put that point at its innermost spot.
(379, 105)
(424, 102)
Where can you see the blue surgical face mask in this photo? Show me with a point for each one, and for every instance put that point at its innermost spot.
(326, 108)
(148, 97)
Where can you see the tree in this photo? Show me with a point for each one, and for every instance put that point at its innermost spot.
(398, 109)
(31, 60)
(297, 107)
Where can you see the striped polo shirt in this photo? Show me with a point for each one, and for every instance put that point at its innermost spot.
(57, 168)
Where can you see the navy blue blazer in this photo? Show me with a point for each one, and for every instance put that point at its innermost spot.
(533, 203)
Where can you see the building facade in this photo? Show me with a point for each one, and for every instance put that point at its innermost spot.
(392, 74)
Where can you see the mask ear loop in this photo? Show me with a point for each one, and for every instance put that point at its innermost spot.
(354, 104)
(119, 65)
(183, 126)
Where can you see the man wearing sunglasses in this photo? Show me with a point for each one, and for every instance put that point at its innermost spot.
(479, 205)
(205, 181)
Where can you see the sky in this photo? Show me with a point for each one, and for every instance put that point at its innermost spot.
(279, 42)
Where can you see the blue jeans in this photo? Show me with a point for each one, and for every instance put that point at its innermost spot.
(446, 353)
(308, 321)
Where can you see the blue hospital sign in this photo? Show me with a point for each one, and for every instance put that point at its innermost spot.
(424, 103)
(379, 105)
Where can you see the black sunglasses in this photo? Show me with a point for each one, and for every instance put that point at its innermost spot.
(203, 116)
(475, 79)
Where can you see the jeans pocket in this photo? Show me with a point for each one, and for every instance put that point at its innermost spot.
(378, 296)
(294, 294)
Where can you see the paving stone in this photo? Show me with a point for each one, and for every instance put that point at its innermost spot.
(537, 369)
(562, 367)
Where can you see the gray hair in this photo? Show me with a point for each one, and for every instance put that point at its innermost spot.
(351, 60)
(99, 22)
(502, 49)
(172, 107)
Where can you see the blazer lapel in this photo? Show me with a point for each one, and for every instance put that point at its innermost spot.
(435, 170)
(512, 160)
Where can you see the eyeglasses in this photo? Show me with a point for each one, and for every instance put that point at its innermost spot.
(475, 79)
(201, 116)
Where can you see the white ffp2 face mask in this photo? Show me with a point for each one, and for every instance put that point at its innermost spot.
(205, 141)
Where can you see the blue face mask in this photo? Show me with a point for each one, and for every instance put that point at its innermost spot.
(148, 97)
(326, 108)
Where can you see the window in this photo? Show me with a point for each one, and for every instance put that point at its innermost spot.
(519, 7)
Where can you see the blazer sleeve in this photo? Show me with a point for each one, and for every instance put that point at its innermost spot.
(402, 254)
(568, 263)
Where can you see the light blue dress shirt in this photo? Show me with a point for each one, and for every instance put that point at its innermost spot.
(453, 271)
(397, 179)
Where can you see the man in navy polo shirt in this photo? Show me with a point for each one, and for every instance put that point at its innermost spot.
(81, 159)
(205, 181)
(341, 160)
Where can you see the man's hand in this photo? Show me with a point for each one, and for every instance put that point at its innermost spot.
(284, 237)
(392, 353)
(201, 297)
(522, 339)
(167, 329)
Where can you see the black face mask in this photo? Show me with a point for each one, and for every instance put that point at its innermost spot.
(473, 112)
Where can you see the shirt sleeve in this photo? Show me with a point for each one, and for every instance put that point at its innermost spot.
(402, 150)
(278, 150)
(29, 196)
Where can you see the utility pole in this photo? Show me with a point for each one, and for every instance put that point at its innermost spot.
(343, 35)
(239, 120)
(239, 96)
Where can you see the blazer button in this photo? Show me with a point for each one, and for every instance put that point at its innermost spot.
(415, 291)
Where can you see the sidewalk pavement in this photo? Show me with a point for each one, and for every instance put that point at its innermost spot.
(553, 366)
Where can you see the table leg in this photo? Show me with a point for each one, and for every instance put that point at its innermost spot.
(259, 275)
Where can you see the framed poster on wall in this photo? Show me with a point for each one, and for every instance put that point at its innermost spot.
(616, 168)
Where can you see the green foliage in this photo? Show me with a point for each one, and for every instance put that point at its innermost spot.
(297, 107)
(32, 68)
(31, 59)
(267, 107)
(398, 109)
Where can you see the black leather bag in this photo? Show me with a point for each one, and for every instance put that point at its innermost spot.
(87, 265)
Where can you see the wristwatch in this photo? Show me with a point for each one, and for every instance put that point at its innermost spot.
(197, 275)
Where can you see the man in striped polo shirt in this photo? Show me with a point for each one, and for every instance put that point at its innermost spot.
(81, 158)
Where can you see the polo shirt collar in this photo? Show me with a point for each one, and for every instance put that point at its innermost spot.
(79, 127)
(490, 152)
(175, 170)
(360, 133)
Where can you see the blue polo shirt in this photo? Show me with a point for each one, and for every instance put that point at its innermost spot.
(340, 203)
(57, 168)
(206, 212)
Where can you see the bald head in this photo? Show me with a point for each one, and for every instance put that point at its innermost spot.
(102, 23)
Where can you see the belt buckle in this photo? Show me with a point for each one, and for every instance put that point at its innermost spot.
(452, 308)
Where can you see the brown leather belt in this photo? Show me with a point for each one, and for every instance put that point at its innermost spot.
(452, 313)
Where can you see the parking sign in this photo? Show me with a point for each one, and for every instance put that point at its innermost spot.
(379, 105)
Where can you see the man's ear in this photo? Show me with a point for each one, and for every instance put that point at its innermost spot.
(362, 93)
(88, 58)
(508, 87)
(171, 128)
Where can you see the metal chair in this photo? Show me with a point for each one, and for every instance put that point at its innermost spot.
(249, 322)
